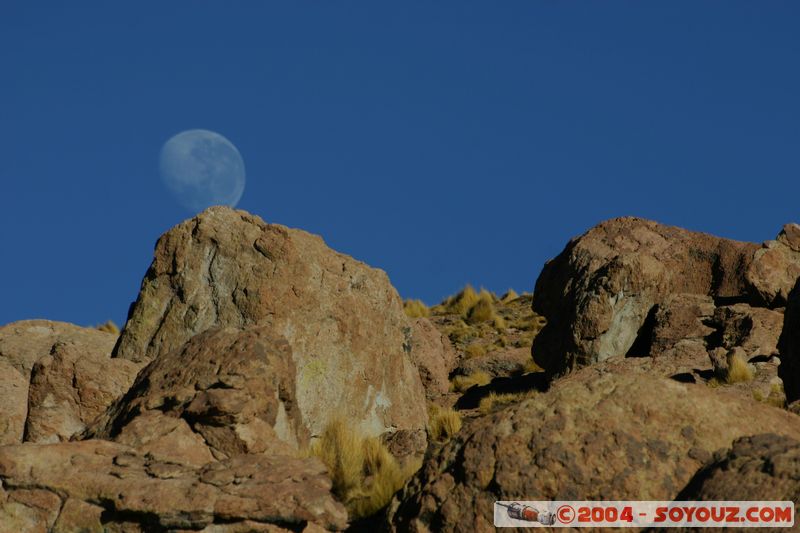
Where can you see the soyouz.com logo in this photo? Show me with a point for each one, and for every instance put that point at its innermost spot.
(643, 514)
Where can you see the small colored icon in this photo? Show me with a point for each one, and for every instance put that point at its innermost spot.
(517, 511)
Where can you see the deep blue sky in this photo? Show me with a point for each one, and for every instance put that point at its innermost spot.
(445, 142)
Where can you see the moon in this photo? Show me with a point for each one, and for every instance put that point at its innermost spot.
(202, 168)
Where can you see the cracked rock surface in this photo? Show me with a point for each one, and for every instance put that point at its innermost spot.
(595, 435)
(343, 320)
(225, 392)
(55, 379)
(96, 484)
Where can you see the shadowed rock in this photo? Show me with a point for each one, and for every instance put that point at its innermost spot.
(600, 292)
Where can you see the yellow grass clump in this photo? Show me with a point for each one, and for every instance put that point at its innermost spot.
(487, 403)
(483, 310)
(738, 370)
(531, 366)
(475, 350)
(509, 296)
(463, 383)
(108, 327)
(365, 474)
(416, 309)
(462, 302)
(443, 423)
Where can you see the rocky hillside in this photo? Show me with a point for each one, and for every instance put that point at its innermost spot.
(264, 382)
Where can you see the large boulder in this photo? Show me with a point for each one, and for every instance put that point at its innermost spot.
(235, 389)
(767, 465)
(775, 267)
(601, 294)
(434, 357)
(25, 342)
(61, 377)
(343, 320)
(71, 387)
(595, 435)
(97, 485)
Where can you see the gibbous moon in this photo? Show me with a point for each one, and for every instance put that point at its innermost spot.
(202, 168)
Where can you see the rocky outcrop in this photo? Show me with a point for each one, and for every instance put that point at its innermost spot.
(605, 293)
(434, 357)
(234, 389)
(56, 378)
(25, 342)
(764, 465)
(71, 387)
(498, 363)
(596, 435)
(680, 328)
(343, 320)
(14, 399)
(776, 267)
(102, 486)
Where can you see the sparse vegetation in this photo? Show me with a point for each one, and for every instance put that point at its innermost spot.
(738, 370)
(461, 303)
(416, 309)
(483, 310)
(531, 366)
(509, 296)
(475, 350)
(464, 383)
(493, 399)
(108, 327)
(365, 475)
(443, 423)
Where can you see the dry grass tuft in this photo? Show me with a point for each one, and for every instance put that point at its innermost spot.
(493, 399)
(108, 327)
(483, 310)
(738, 370)
(464, 383)
(461, 303)
(365, 474)
(443, 423)
(531, 366)
(416, 309)
(475, 350)
(509, 296)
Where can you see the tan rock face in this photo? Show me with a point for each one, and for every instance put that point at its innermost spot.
(766, 466)
(119, 487)
(595, 435)
(776, 267)
(62, 374)
(501, 362)
(235, 389)
(14, 401)
(601, 294)
(25, 342)
(433, 356)
(598, 292)
(71, 387)
(343, 320)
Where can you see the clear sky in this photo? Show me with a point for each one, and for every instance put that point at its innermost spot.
(444, 142)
